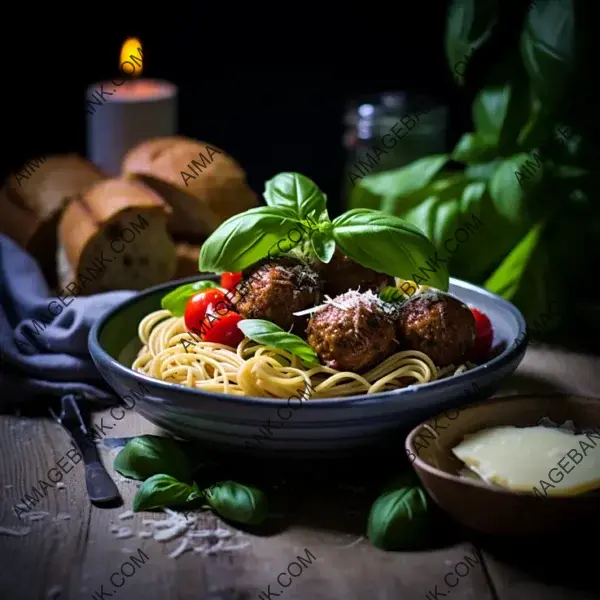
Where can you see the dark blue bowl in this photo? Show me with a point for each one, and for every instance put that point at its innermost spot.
(336, 426)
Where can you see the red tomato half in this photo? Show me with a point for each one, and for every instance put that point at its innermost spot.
(229, 280)
(223, 329)
(196, 307)
(484, 334)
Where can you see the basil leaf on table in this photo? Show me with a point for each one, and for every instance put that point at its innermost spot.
(245, 238)
(148, 455)
(269, 334)
(176, 300)
(399, 519)
(238, 502)
(163, 490)
(296, 192)
(388, 244)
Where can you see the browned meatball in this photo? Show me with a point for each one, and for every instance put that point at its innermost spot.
(342, 274)
(352, 333)
(439, 325)
(274, 289)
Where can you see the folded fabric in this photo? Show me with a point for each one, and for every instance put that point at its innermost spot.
(44, 338)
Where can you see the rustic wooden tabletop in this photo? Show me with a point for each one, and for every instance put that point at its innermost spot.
(66, 548)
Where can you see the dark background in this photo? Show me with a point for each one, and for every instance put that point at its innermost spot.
(271, 109)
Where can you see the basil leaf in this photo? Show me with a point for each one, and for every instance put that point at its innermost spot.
(163, 490)
(513, 177)
(238, 502)
(397, 187)
(505, 280)
(471, 148)
(490, 110)
(388, 245)
(392, 294)
(147, 455)
(269, 334)
(296, 192)
(399, 519)
(245, 238)
(469, 25)
(548, 48)
(176, 300)
(323, 244)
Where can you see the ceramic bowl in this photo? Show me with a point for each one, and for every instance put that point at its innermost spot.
(495, 510)
(325, 425)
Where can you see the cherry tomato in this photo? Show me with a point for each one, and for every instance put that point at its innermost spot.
(197, 305)
(223, 329)
(483, 334)
(229, 280)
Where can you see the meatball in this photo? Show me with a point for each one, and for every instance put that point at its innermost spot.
(437, 324)
(274, 289)
(342, 274)
(353, 332)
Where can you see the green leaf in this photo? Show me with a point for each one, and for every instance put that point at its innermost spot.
(392, 294)
(269, 334)
(163, 490)
(176, 300)
(296, 192)
(483, 171)
(399, 519)
(515, 176)
(238, 502)
(490, 110)
(323, 245)
(469, 24)
(397, 187)
(471, 148)
(245, 238)
(548, 48)
(387, 244)
(148, 455)
(506, 278)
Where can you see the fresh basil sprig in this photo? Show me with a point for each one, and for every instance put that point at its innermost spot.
(245, 238)
(296, 192)
(388, 244)
(163, 490)
(269, 334)
(149, 455)
(176, 300)
(238, 502)
(399, 519)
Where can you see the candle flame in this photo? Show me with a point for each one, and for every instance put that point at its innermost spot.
(131, 57)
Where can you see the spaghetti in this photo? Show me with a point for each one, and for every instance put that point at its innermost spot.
(256, 370)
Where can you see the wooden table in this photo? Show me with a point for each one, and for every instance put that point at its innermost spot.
(71, 553)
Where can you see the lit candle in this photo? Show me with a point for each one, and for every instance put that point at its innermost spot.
(121, 113)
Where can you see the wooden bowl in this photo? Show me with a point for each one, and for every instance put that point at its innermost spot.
(494, 510)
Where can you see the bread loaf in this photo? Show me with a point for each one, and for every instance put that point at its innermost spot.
(33, 198)
(114, 236)
(203, 185)
(187, 260)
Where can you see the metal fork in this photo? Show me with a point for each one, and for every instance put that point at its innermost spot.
(100, 487)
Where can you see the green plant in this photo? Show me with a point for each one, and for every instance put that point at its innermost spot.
(526, 171)
(238, 502)
(372, 238)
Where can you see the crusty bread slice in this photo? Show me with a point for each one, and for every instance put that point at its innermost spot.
(33, 198)
(114, 236)
(203, 185)
(187, 260)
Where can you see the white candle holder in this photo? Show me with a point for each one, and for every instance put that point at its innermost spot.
(121, 116)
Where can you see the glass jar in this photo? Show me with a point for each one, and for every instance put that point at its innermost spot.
(387, 131)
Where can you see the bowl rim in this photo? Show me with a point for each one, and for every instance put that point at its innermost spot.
(510, 353)
(440, 473)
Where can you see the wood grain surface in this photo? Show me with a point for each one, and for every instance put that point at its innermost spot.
(71, 552)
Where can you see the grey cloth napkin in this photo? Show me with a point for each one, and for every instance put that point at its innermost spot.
(44, 338)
